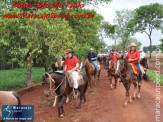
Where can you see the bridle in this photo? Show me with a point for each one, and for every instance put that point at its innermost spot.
(51, 88)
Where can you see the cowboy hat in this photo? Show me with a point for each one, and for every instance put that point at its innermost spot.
(69, 51)
(91, 49)
(132, 45)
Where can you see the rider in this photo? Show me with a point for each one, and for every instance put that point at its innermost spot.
(133, 56)
(142, 54)
(92, 56)
(114, 55)
(71, 65)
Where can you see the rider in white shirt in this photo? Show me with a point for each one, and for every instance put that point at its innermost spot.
(142, 54)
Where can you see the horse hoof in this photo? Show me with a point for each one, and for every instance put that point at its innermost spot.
(125, 105)
(133, 98)
(130, 101)
(138, 97)
(61, 115)
(78, 109)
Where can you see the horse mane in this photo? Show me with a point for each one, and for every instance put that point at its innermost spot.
(58, 73)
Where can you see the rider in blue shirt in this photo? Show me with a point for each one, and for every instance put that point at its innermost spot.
(92, 56)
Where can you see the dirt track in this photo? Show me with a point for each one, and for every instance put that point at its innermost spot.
(103, 105)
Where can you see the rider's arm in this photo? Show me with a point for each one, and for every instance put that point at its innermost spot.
(95, 57)
(77, 66)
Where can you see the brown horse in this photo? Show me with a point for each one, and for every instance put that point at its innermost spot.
(112, 72)
(57, 65)
(126, 73)
(57, 84)
(8, 98)
(90, 70)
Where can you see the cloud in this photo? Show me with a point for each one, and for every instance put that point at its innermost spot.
(108, 12)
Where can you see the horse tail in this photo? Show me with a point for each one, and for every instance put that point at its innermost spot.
(17, 97)
(145, 77)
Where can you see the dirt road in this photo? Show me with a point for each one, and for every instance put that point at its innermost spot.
(103, 105)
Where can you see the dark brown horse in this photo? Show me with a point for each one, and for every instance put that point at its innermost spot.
(112, 72)
(57, 84)
(90, 70)
(126, 73)
(144, 62)
(8, 98)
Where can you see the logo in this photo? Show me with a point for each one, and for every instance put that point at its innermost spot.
(17, 112)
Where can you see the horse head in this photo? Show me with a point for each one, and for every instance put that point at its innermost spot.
(82, 64)
(120, 65)
(48, 83)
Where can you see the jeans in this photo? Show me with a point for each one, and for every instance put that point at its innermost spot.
(140, 73)
(95, 65)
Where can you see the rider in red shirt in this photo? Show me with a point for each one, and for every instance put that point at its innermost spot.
(71, 65)
(114, 55)
(133, 56)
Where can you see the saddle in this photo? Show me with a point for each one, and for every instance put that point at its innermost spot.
(94, 66)
(135, 69)
(71, 80)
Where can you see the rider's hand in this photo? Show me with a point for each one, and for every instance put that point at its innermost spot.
(130, 60)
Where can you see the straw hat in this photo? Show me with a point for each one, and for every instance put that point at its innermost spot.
(69, 51)
(132, 45)
(91, 49)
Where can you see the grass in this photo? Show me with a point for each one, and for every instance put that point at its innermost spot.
(154, 76)
(16, 78)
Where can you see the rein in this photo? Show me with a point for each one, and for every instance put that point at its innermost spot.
(51, 79)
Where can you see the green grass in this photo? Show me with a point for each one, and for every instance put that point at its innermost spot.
(153, 77)
(16, 78)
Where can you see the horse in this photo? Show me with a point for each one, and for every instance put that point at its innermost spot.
(8, 98)
(144, 62)
(90, 70)
(126, 73)
(57, 84)
(58, 65)
(112, 72)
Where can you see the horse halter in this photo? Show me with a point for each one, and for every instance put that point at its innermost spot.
(83, 65)
(51, 80)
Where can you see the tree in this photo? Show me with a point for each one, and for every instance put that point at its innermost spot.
(123, 30)
(147, 18)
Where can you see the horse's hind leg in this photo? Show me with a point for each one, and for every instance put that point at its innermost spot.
(55, 101)
(139, 87)
(81, 97)
(135, 87)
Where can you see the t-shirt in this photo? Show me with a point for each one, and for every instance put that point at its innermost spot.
(114, 57)
(142, 55)
(133, 55)
(92, 55)
(71, 63)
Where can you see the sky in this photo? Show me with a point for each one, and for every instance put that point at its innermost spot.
(108, 12)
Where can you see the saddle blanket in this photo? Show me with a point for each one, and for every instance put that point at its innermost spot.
(71, 80)
(136, 71)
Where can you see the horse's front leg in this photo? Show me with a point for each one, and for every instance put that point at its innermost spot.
(55, 101)
(139, 87)
(67, 99)
(115, 81)
(128, 96)
(60, 106)
(110, 79)
(135, 87)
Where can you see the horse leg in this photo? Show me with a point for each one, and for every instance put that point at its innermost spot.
(81, 97)
(60, 106)
(135, 87)
(55, 101)
(127, 87)
(67, 99)
(115, 81)
(139, 87)
(110, 79)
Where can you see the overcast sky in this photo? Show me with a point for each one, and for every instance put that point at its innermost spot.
(108, 12)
